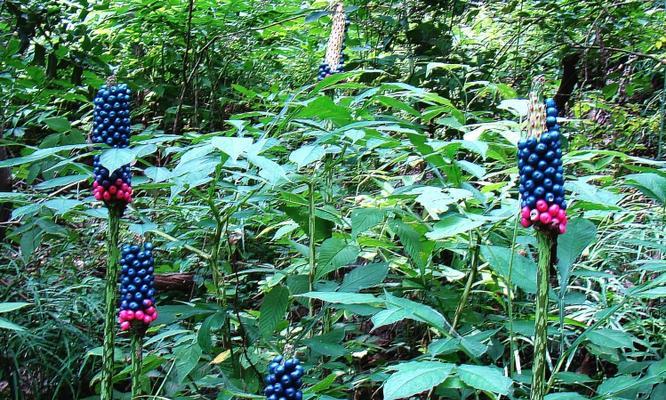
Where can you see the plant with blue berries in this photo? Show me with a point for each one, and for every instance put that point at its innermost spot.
(111, 126)
(137, 293)
(284, 379)
(334, 60)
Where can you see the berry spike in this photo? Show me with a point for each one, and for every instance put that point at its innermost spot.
(283, 380)
(137, 293)
(111, 116)
(334, 60)
(541, 173)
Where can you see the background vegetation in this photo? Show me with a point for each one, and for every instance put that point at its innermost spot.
(416, 281)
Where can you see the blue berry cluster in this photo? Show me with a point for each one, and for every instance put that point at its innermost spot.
(112, 116)
(283, 381)
(137, 295)
(542, 176)
(111, 126)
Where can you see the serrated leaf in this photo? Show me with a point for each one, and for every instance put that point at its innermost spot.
(522, 273)
(363, 277)
(484, 378)
(333, 254)
(272, 309)
(306, 155)
(452, 225)
(58, 124)
(363, 219)
(234, 147)
(112, 159)
(157, 174)
(611, 338)
(415, 377)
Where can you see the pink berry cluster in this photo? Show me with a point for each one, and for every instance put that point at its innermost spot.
(137, 294)
(544, 216)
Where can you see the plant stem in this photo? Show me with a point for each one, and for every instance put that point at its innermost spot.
(311, 239)
(544, 246)
(474, 265)
(137, 360)
(110, 302)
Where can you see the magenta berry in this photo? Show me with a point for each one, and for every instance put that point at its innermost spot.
(137, 293)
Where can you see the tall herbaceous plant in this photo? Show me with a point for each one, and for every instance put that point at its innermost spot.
(111, 128)
(543, 207)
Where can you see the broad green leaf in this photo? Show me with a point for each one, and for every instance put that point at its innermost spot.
(335, 253)
(452, 225)
(343, 298)
(61, 206)
(650, 184)
(415, 377)
(580, 234)
(611, 338)
(437, 200)
(363, 219)
(157, 174)
(272, 309)
(269, 169)
(417, 311)
(617, 385)
(61, 181)
(363, 277)
(112, 159)
(388, 317)
(485, 378)
(307, 155)
(523, 273)
(234, 147)
(58, 124)
(12, 306)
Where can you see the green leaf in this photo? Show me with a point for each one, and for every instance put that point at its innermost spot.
(61, 206)
(523, 273)
(650, 184)
(269, 169)
(112, 159)
(452, 225)
(343, 298)
(363, 277)
(4, 324)
(157, 174)
(611, 338)
(485, 378)
(61, 181)
(58, 124)
(617, 385)
(416, 311)
(12, 306)
(363, 219)
(415, 377)
(565, 396)
(272, 309)
(335, 253)
(324, 108)
(234, 147)
(580, 234)
(39, 155)
(307, 155)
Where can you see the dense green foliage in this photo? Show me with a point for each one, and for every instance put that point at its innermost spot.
(366, 223)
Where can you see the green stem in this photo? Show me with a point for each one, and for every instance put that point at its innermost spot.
(111, 292)
(512, 344)
(474, 265)
(137, 360)
(544, 246)
(311, 239)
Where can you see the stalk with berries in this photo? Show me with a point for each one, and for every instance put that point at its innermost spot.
(111, 127)
(334, 61)
(137, 301)
(283, 381)
(544, 208)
